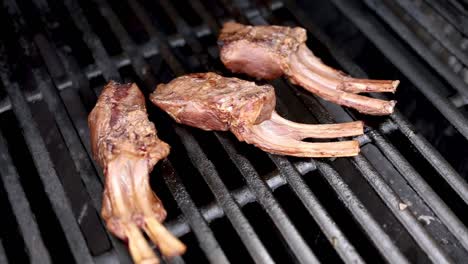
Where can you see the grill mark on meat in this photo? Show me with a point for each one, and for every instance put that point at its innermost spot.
(119, 93)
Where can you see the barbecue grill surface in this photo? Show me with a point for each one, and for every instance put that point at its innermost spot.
(404, 199)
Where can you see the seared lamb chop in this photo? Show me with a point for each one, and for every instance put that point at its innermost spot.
(212, 102)
(268, 52)
(125, 144)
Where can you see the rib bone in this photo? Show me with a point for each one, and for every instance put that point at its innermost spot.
(267, 52)
(338, 80)
(125, 144)
(284, 137)
(212, 102)
(300, 74)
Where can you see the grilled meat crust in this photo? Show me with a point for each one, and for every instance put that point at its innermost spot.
(119, 125)
(212, 102)
(269, 48)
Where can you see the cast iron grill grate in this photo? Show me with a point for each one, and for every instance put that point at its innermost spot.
(403, 200)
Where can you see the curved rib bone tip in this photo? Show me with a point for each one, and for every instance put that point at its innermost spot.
(139, 249)
(169, 245)
(133, 203)
(301, 131)
(284, 139)
(335, 79)
(300, 74)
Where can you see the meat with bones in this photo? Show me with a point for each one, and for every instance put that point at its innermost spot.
(212, 102)
(125, 144)
(268, 52)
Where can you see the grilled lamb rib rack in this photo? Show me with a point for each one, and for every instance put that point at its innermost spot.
(212, 102)
(268, 52)
(125, 144)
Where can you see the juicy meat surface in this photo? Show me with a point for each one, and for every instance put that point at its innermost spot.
(212, 102)
(119, 125)
(268, 52)
(125, 144)
(268, 48)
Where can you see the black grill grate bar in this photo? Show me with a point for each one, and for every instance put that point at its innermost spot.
(438, 162)
(409, 65)
(137, 60)
(205, 236)
(265, 197)
(423, 189)
(376, 233)
(223, 196)
(446, 10)
(92, 41)
(47, 173)
(148, 49)
(414, 227)
(419, 46)
(42, 161)
(416, 12)
(54, 100)
(242, 197)
(419, 142)
(21, 208)
(296, 242)
(160, 38)
(181, 25)
(75, 148)
(391, 199)
(388, 249)
(363, 164)
(3, 258)
(78, 153)
(205, 15)
(344, 248)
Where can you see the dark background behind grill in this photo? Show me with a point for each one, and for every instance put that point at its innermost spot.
(227, 200)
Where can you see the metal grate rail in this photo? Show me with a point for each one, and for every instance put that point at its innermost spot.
(66, 88)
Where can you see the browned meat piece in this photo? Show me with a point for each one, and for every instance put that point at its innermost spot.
(267, 52)
(212, 102)
(125, 144)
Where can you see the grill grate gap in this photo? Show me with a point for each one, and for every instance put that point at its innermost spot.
(338, 212)
(87, 216)
(67, 34)
(161, 122)
(268, 233)
(194, 253)
(11, 238)
(215, 153)
(160, 19)
(48, 224)
(97, 83)
(428, 122)
(229, 241)
(101, 27)
(306, 225)
(160, 68)
(130, 21)
(187, 12)
(262, 164)
(444, 190)
(198, 190)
